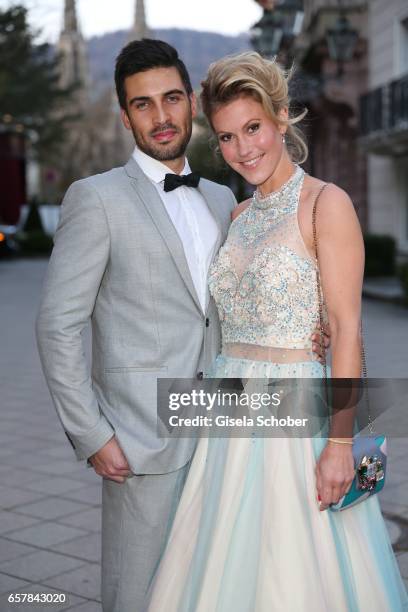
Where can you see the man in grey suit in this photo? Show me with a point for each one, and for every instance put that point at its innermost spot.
(131, 254)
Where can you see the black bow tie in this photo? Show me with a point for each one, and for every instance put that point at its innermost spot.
(172, 181)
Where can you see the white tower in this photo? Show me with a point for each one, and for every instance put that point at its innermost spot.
(139, 29)
(71, 46)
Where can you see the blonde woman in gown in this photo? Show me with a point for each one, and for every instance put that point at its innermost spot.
(250, 534)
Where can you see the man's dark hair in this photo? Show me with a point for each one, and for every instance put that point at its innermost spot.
(142, 55)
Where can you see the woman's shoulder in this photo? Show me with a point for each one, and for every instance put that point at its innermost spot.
(335, 210)
(240, 209)
(332, 200)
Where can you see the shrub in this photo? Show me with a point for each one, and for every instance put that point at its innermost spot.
(403, 276)
(35, 242)
(33, 222)
(32, 239)
(379, 255)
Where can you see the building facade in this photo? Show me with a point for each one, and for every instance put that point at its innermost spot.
(384, 121)
(332, 97)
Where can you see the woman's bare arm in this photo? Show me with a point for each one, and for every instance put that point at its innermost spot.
(341, 263)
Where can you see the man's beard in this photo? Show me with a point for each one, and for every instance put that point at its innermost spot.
(164, 153)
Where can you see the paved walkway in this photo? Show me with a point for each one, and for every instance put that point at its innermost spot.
(50, 504)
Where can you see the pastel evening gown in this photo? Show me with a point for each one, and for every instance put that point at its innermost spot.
(248, 535)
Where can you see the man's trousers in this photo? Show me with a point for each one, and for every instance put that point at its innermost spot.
(136, 520)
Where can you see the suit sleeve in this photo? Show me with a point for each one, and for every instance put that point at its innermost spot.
(232, 198)
(74, 275)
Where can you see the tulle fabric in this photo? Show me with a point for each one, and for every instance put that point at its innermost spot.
(248, 535)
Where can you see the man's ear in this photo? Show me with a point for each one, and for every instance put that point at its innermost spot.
(125, 119)
(193, 102)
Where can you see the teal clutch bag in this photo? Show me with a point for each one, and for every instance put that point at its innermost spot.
(370, 458)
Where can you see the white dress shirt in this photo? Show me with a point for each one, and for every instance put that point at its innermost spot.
(191, 217)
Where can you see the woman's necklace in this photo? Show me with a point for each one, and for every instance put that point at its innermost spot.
(281, 195)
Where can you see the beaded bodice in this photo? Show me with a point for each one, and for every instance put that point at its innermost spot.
(263, 279)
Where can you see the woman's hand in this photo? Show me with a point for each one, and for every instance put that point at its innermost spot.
(317, 342)
(334, 473)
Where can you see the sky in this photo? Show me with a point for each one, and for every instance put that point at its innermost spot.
(100, 16)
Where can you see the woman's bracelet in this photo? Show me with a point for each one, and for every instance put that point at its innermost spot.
(336, 441)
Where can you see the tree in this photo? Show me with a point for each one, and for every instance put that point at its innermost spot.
(30, 96)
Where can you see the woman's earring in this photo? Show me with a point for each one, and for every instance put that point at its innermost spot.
(283, 139)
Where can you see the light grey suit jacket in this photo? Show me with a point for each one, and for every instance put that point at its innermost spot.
(119, 262)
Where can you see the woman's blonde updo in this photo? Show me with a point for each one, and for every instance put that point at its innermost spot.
(249, 74)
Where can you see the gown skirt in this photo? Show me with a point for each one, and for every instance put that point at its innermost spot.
(248, 535)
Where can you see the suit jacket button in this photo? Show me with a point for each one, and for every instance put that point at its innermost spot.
(207, 322)
(200, 375)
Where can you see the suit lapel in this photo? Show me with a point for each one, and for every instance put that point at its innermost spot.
(151, 200)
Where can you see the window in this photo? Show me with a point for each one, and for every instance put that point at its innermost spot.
(405, 192)
(403, 47)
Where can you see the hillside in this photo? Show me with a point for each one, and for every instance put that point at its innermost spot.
(197, 49)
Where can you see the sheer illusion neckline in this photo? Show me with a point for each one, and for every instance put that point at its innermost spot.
(280, 196)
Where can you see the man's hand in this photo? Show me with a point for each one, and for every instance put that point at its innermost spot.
(316, 345)
(110, 462)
